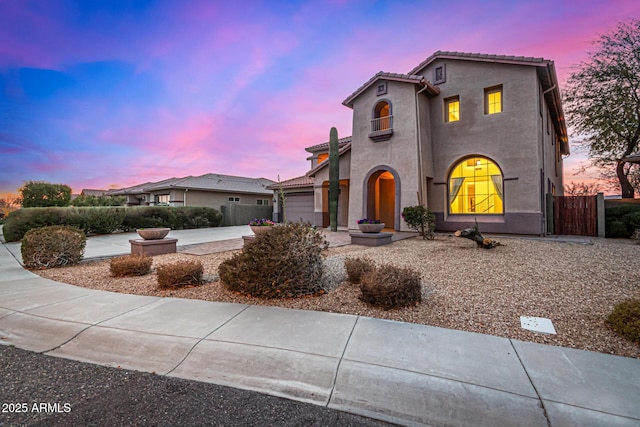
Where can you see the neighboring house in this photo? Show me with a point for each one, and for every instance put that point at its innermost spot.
(472, 136)
(209, 190)
(92, 193)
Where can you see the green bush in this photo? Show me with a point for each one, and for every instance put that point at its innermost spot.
(356, 267)
(616, 228)
(621, 220)
(53, 246)
(625, 320)
(17, 223)
(188, 217)
(105, 220)
(83, 200)
(179, 274)
(130, 265)
(390, 287)
(285, 261)
(149, 217)
(420, 219)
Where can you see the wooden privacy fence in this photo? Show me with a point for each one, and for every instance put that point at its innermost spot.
(575, 215)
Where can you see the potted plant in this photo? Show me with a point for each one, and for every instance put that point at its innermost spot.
(261, 225)
(367, 225)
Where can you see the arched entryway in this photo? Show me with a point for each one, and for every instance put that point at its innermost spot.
(381, 196)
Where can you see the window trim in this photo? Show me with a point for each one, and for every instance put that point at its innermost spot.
(443, 77)
(447, 102)
(489, 91)
(466, 161)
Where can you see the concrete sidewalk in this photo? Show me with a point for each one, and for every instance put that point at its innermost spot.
(399, 372)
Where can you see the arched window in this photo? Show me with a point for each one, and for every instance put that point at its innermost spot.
(382, 118)
(475, 187)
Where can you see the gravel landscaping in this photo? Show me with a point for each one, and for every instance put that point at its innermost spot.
(466, 288)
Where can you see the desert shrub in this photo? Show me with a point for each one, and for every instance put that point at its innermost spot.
(625, 319)
(356, 267)
(283, 262)
(420, 219)
(183, 273)
(391, 287)
(130, 265)
(53, 246)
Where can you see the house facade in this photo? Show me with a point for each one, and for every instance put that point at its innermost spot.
(209, 190)
(474, 137)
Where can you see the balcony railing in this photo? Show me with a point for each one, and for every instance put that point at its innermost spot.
(381, 128)
(382, 123)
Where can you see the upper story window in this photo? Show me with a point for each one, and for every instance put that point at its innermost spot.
(322, 157)
(493, 100)
(452, 109)
(381, 116)
(382, 121)
(263, 202)
(475, 187)
(439, 74)
(234, 199)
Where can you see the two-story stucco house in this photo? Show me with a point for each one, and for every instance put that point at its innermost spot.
(472, 136)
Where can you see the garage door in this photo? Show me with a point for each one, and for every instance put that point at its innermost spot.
(299, 205)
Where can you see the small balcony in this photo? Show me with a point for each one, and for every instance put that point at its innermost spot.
(381, 128)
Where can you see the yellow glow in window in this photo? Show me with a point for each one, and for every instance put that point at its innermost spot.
(494, 101)
(453, 108)
(322, 157)
(475, 187)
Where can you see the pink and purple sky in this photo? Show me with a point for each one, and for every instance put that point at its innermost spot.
(108, 94)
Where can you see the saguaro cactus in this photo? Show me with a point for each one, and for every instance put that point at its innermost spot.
(334, 179)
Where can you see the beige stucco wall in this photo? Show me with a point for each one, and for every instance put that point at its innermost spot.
(511, 138)
(215, 199)
(398, 153)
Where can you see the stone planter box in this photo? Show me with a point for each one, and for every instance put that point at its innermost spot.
(153, 233)
(370, 239)
(371, 228)
(153, 247)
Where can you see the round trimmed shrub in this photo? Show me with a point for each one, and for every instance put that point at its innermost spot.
(625, 319)
(356, 267)
(53, 246)
(130, 265)
(179, 274)
(283, 262)
(390, 287)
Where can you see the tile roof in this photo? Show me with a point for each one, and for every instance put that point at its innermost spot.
(381, 75)
(92, 192)
(207, 182)
(325, 145)
(522, 60)
(632, 158)
(325, 163)
(300, 181)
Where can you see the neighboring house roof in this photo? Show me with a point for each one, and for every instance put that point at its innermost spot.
(298, 182)
(96, 193)
(546, 73)
(325, 163)
(207, 182)
(632, 158)
(325, 145)
(404, 78)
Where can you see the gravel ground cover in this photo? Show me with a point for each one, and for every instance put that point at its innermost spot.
(466, 288)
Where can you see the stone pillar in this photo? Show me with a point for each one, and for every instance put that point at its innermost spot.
(600, 212)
